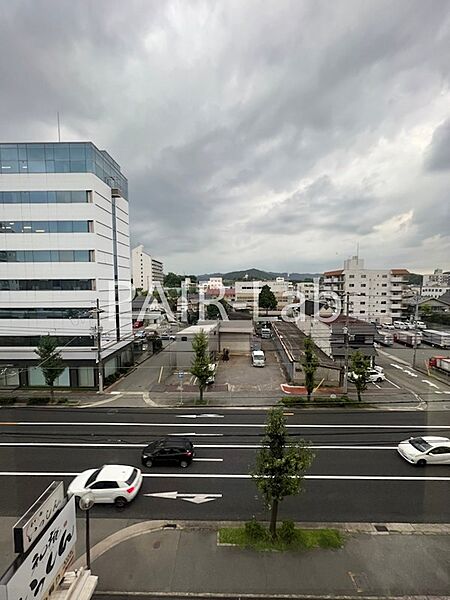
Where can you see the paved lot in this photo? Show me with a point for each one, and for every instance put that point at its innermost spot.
(239, 374)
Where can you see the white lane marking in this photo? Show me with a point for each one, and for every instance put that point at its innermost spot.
(397, 366)
(229, 476)
(430, 383)
(394, 384)
(208, 459)
(410, 373)
(210, 446)
(245, 425)
(193, 434)
(211, 416)
(376, 385)
(437, 392)
(194, 498)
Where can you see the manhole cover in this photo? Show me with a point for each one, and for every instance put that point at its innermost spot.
(381, 528)
(156, 544)
(360, 581)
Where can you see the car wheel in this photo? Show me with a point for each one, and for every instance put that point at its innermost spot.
(421, 463)
(148, 462)
(184, 463)
(379, 380)
(120, 502)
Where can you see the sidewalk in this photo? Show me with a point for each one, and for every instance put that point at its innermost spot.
(148, 558)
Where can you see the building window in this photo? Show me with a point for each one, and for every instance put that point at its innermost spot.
(9, 377)
(351, 277)
(36, 378)
(351, 285)
(382, 311)
(384, 276)
(46, 197)
(363, 285)
(44, 226)
(45, 313)
(384, 285)
(363, 276)
(26, 285)
(184, 338)
(56, 256)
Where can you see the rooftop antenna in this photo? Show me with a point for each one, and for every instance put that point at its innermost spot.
(59, 128)
(357, 249)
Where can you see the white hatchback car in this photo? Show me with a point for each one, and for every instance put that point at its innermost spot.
(110, 484)
(373, 375)
(422, 451)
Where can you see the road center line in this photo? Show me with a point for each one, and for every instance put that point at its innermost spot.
(237, 476)
(211, 425)
(210, 446)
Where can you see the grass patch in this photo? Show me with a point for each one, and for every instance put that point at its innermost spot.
(297, 540)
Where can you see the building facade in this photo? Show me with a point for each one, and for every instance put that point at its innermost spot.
(374, 295)
(146, 271)
(248, 291)
(64, 244)
(438, 278)
(433, 290)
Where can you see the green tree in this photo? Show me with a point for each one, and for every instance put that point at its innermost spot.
(425, 310)
(280, 467)
(360, 366)
(200, 362)
(267, 299)
(51, 364)
(172, 280)
(310, 364)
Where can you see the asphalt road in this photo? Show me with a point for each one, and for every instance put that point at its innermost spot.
(357, 474)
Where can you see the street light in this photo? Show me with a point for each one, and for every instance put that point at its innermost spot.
(86, 502)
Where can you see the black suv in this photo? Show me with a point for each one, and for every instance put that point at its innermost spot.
(169, 451)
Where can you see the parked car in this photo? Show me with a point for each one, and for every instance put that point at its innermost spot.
(388, 326)
(110, 484)
(169, 451)
(422, 451)
(400, 325)
(258, 358)
(374, 376)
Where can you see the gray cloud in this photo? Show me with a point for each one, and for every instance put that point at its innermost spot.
(438, 153)
(248, 127)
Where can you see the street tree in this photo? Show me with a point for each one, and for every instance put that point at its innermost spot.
(310, 364)
(360, 366)
(51, 364)
(172, 280)
(200, 362)
(267, 299)
(280, 465)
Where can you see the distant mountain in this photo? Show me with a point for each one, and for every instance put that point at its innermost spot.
(257, 274)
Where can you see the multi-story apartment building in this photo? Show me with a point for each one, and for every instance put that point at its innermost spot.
(306, 289)
(433, 290)
(146, 271)
(248, 291)
(374, 295)
(64, 244)
(438, 278)
(213, 283)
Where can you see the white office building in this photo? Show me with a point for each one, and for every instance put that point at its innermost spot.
(248, 291)
(433, 290)
(375, 295)
(64, 244)
(146, 271)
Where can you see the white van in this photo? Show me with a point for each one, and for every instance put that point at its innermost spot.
(258, 358)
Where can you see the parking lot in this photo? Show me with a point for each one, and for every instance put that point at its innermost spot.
(239, 374)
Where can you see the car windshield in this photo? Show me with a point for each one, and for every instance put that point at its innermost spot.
(420, 444)
(132, 477)
(92, 477)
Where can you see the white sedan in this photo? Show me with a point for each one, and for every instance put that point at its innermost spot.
(422, 451)
(373, 375)
(110, 484)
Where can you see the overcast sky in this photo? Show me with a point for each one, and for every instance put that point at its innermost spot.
(272, 134)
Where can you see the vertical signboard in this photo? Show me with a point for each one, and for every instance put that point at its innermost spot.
(35, 577)
(32, 524)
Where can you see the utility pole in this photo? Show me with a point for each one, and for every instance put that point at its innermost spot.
(416, 318)
(98, 332)
(347, 308)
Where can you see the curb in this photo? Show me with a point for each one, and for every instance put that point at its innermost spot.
(212, 596)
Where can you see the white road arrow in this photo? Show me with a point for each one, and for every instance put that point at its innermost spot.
(194, 498)
(212, 416)
(429, 383)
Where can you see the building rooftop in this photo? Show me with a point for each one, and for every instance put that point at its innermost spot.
(62, 157)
